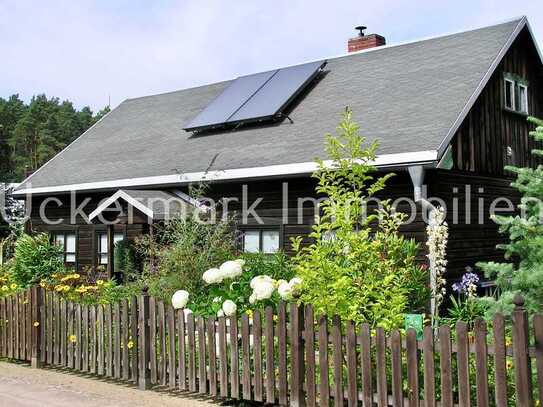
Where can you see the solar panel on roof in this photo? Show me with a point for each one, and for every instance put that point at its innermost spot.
(275, 94)
(256, 97)
(229, 101)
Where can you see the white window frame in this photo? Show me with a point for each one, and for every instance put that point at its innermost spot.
(524, 100)
(513, 98)
(63, 244)
(102, 253)
(261, 232)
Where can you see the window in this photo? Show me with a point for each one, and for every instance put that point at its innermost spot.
(261, 240)
(66, 240)
(515, 94)
(102, 245)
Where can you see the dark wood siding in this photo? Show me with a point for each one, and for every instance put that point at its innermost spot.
(480, 144)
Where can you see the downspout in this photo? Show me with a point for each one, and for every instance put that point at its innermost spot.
(416, 172)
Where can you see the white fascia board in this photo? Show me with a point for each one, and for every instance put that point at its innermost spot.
(271, 171)
(131, 201)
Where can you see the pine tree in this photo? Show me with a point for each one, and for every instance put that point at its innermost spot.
(524, 272)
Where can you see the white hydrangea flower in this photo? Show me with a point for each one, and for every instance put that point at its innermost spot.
(187, 312)
(285, 290)
(212, 276)
(263, 287)
(295, 285)
(180, 299)
(252, 298)
(231, 268)
(229, 308)
(220, 313)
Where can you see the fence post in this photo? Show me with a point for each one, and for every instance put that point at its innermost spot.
(523, 377)
(36, 303)
(144, 377)
(297, 353)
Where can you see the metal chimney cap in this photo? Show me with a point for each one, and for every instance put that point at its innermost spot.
(361, 29)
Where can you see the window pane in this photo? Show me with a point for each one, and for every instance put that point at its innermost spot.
(103, 243)
(70, 243)
(509, 94)
(117, 237)
(270, 241)
(70, 258)
(103, 259)
(251, 241)
(59, 240)
(523, 99)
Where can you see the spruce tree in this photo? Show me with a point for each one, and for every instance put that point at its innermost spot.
(523, 273)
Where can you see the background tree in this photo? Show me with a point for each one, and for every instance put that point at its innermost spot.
(524, 274)
(31, 134)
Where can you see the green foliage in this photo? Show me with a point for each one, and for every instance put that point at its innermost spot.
(525, 274)
(124, 259)
(209, 300)
(35, 258)
(182, 250)
(359, 272)
(32, 134)
(466, 309)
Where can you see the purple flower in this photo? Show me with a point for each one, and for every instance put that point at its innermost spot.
(467, 285)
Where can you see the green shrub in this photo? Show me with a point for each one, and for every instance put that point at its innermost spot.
(35, 258)
(352, 269)
(124, 263)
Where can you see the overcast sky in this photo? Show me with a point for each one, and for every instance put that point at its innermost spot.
(88, 51)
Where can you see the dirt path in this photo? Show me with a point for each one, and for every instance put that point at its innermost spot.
(21, 386)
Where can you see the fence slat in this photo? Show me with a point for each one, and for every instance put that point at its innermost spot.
(352, 379)
(500, 372)
(162, 348)
(234, 358)
(257, 356)
(152, 341)
(125, 334)
(481, 363)
(396, 359)
(337, 346)
(245, 358)
(380, 367)
(57, 333)
(134, 338)
(412, 367)
(212, 350)
(523, 377)
(445, 366)
(462, 362)
(202, 371)
(109, 332)
(71, 335)
(538, 342)
(324, 385)
(270, 362)
(191, 335)
(10, 326)
(49, 327)
(3, 327)
(92, 339)
(100, 339)
(17, 327)
(365, 362)
(282, 356)
(144, 337)
(310, 372)
(181, 362)
(223, 358)
(170, 319)
(429, 367)
(85, 338)
(30, 323)
(78, 335)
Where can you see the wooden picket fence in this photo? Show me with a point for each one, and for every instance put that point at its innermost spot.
(286, 356)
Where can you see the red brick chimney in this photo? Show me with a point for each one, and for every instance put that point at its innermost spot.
(363, 41)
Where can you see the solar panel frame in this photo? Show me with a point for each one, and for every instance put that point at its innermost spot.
(273, 97)
(229, 101)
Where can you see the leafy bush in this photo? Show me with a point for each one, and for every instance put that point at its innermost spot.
(353, 269)
(124, 259)
(35, 258)
(182, 250)
(525, 275)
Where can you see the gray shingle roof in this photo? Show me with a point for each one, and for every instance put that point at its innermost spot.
(407, 96)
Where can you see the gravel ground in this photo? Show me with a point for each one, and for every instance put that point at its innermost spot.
(21, 386)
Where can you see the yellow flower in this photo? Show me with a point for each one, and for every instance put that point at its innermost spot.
(275, 317)
(130, 345)
(59, 288)
(509, 364)
(76, 275)
(72, 338)
(13, 286)
(100, 282)
(43, 284)
(249, 312)
(66, 288)
(508, 342)
(36, 324)
(5, 288)
(25, 302)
